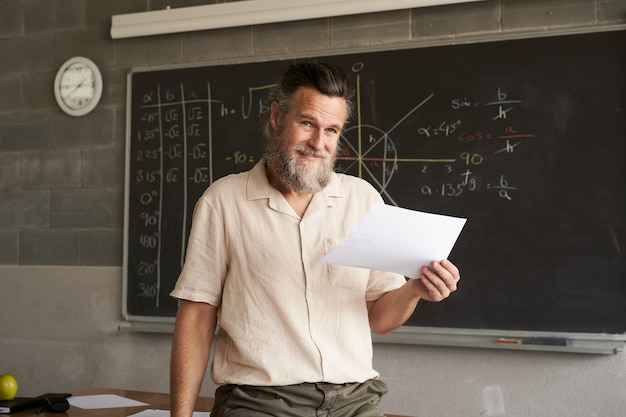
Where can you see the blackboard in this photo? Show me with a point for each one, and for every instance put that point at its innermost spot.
(523, 137)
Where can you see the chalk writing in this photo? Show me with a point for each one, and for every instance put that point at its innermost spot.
(174, 149)
(521, 137)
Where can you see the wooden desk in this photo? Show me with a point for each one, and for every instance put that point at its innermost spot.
(154, 400)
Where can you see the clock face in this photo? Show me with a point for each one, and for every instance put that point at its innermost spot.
(78, 86)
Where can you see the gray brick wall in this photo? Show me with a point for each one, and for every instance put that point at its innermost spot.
(62, 178)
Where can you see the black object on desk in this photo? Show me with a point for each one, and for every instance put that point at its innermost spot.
(51, 401)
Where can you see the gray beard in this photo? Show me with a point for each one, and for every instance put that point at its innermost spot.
(300, 179)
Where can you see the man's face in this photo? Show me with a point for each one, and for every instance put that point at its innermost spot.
(307, 136)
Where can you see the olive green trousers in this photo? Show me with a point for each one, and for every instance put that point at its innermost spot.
(302, 400)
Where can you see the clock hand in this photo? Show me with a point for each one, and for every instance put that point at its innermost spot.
(77, 87)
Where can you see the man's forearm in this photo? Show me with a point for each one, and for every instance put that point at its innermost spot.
(191, 346)
(391, 310)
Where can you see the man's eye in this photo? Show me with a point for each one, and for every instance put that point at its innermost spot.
(306, 123)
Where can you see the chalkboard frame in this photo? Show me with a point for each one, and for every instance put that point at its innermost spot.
(573, 342)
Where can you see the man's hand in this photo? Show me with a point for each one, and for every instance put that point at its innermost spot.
(437, 281)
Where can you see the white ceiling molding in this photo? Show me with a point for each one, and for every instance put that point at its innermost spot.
(251, 12)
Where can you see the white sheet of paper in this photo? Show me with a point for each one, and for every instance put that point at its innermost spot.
(103, 401)
(166, 413)
(395, 239)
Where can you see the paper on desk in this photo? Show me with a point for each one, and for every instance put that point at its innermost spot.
(166, 413)
(395, 239)
(103, 401)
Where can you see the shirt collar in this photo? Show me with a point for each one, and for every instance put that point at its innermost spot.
(258, 186)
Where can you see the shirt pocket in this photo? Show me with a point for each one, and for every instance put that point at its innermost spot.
(340, 276)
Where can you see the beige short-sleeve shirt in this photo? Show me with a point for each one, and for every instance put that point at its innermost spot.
(285, 317)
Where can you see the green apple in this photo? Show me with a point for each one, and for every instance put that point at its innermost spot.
(8, 387)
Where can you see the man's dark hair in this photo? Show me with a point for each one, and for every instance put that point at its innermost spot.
(327, 78)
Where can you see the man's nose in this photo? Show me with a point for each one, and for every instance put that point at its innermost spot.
(318, 139)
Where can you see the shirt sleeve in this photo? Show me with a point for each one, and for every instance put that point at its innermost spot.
(205, 266)
(380, 283)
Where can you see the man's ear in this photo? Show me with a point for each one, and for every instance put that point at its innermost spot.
(275, 115)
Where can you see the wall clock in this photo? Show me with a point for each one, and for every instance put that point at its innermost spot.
(78, 86)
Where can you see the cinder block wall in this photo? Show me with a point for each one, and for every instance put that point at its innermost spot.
(62, 178)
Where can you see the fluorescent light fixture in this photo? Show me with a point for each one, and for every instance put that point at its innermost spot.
(251, 12)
